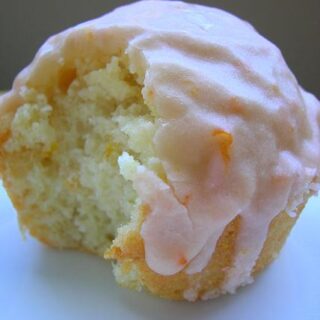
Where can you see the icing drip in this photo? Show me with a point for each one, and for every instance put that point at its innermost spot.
(255, 221)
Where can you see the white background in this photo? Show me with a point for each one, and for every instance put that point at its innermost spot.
(41, 283)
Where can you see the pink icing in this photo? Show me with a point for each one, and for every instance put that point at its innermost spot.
(209, 72)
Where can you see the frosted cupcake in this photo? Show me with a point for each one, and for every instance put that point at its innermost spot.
(171, 138)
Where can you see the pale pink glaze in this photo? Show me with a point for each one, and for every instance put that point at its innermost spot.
(204, 71)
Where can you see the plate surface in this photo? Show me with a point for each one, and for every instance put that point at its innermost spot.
(41, 283)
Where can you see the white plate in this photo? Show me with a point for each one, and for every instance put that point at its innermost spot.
(41, 283)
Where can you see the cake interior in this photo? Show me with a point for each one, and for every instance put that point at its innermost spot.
(68, 160)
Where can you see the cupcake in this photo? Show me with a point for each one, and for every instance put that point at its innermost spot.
(167, 137)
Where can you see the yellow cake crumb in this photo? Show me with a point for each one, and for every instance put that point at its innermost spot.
(99, 130)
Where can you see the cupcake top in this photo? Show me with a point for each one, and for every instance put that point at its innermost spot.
(236, 134)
